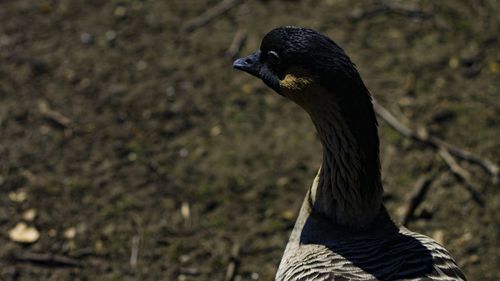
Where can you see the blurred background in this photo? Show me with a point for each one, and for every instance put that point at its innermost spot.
(130, 149)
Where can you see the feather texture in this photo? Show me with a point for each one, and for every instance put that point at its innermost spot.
(318, 251)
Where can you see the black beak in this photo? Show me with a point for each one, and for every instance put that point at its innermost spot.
(250, 64)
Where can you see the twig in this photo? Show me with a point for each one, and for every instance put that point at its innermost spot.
(359, 15)
(385, 8)
(237, 43)
(84, 252)
(190, 271)
(392, 121)
(134, 252)
(53, 115)
(406, 11)
(46, 259)
(439, 144)
(210, 14)
(454, 167)
(485, 164)
(462, 175)
(186, 213)
(416, 197)
(233, 263)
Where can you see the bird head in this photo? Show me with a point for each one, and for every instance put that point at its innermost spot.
(313, 71)
(294, 61)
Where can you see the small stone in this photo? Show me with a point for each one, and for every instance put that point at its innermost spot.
(132, 156)
(254, 276)
(110, 35)
(22, 233)
(453, 63)
(185, 211)
(83, 84)
(120, 12)
(98, 246)
(183, 153)
(170, 91)
(184, 258)
(282, 181)
(215, 131)
(29, 215)
(70, 233)
(86, 38)
(141, 65)
(18, 196)
(288, 215)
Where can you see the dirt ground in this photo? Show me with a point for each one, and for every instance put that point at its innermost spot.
(121, 131)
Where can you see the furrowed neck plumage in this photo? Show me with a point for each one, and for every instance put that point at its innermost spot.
(349, 191)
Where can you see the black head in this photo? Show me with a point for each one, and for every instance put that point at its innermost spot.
(290, 48)
(313, 71)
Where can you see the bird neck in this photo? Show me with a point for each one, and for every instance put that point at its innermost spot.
(349, 189)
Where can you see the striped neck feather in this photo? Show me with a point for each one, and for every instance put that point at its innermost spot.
(349, 191)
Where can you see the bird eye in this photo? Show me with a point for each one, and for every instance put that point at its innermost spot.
(273, 57)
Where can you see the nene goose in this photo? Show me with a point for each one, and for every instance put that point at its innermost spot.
(343, 231)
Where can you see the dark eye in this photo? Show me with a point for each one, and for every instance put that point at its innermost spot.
(273, 57)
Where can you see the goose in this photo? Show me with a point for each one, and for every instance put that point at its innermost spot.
(343, 231)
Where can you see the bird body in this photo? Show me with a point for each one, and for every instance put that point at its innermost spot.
(343, 231)
(318, 250)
